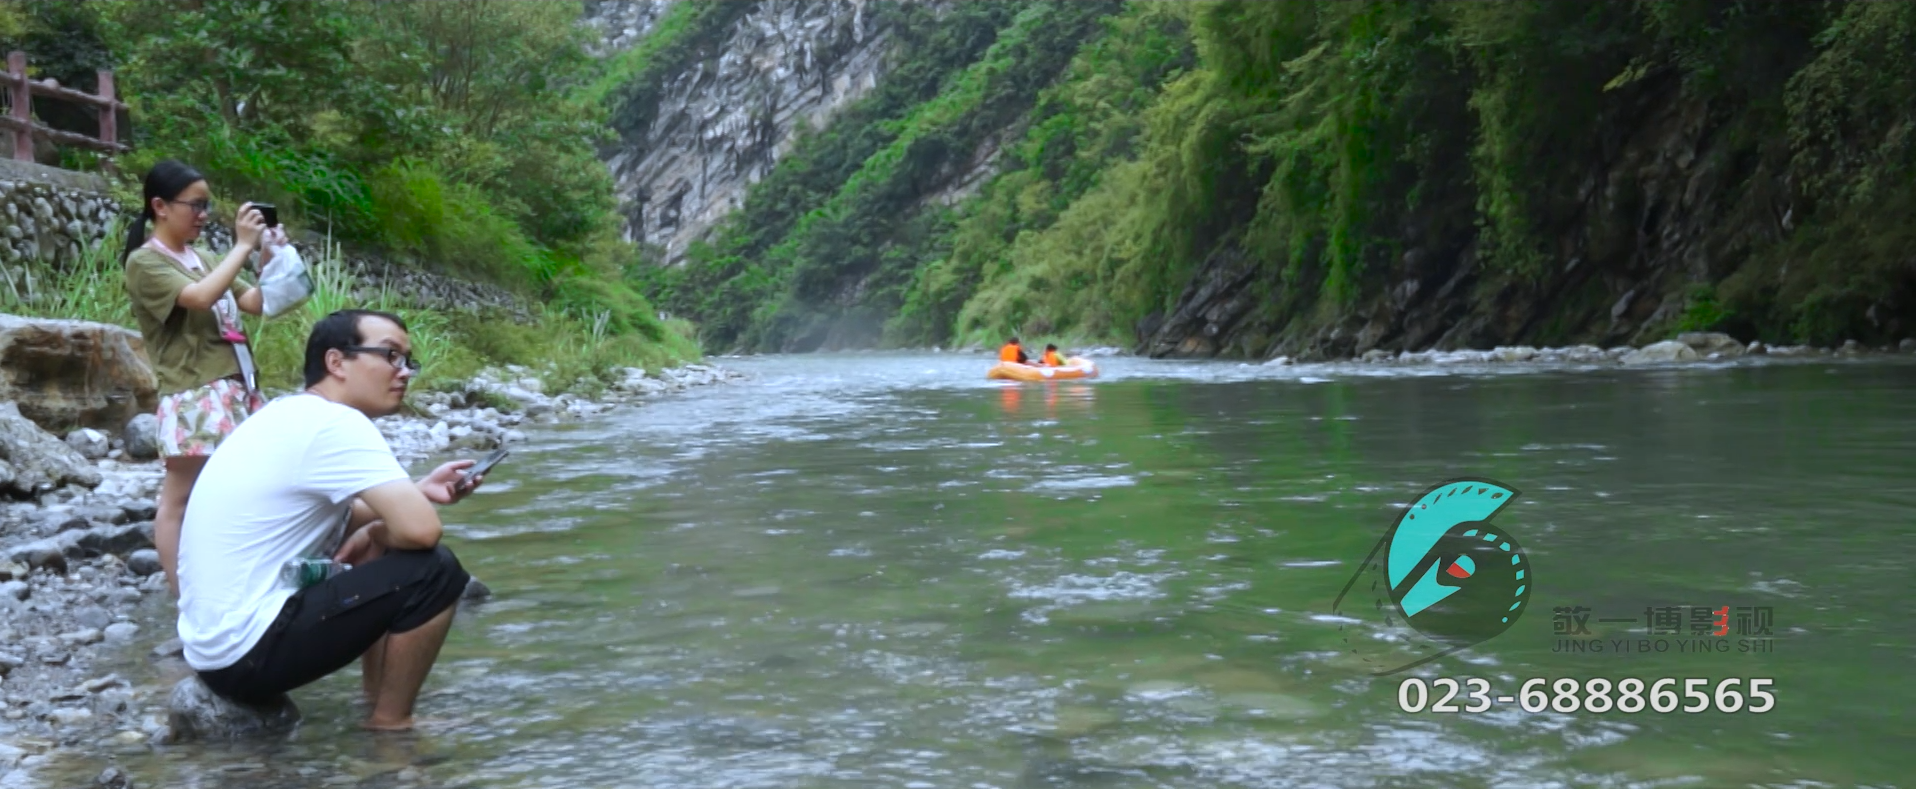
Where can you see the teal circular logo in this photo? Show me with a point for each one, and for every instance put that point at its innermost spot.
(1446, 570)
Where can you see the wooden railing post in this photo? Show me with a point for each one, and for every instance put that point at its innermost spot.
(109, 118)
(22, 107)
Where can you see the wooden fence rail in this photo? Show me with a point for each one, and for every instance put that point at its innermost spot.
(21, 89)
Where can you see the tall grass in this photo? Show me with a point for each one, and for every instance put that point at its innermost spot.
(567, 352)
(92, 288)
(280, 342)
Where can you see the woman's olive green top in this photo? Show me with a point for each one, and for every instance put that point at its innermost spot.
(186, 346)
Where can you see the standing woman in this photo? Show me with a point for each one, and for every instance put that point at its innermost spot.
(189, 311)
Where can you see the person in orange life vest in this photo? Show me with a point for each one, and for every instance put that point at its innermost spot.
(1051, 357)
(1012, 352)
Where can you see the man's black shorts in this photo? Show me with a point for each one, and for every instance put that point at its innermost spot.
(328, 625)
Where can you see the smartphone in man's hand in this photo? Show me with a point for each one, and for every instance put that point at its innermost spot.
(269, 213)
(483, 466)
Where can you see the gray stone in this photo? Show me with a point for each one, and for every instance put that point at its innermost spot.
(82, 637)
(114, 778)
(195, 712)
(102, 514)
(10, 661)
(519, 395)
(139, 511)
(144, 562)
(1908, 345)
(1521, 353)
(475, 590)
(171, 647)
(1711, 342)
(91, 444)
(121, 631)
(70, 716)
(142, 437)
(16, 590)
(118, 540)
(92, 617)
(102, 683)
(45, 554)
(40, 462)
(1666, 351)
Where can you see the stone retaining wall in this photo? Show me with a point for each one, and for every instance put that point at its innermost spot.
(47, 214)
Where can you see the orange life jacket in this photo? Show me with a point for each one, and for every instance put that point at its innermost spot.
(1009, 353)
(1051, 359)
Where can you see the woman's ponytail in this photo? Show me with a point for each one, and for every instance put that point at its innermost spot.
(136, 232)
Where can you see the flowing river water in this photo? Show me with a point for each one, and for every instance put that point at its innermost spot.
(885, 571)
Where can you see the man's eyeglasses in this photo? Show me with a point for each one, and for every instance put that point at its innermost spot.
(400, 360)
(198, 206)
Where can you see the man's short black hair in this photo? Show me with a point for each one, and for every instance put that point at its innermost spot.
(1050, 347)
(1013, 341)
(335, 332)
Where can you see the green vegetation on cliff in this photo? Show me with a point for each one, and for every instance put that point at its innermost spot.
(455, 136)
(813, 255)
(1337, 176)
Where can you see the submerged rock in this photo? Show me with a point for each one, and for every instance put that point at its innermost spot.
(195, 712)
(475, 590)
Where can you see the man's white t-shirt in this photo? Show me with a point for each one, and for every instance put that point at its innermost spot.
(280, 487)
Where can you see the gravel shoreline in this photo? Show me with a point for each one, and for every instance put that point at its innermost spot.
(77, 566)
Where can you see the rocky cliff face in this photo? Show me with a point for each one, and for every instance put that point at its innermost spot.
(722, 122)
(1669, 201)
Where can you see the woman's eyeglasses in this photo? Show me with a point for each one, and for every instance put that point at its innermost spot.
(400, 360)
(198, 206)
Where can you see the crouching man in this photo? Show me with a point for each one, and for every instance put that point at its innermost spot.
(310, 476)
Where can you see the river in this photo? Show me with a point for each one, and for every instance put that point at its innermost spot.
(882, 570)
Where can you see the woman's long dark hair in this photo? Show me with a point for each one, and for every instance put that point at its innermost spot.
(165, 181)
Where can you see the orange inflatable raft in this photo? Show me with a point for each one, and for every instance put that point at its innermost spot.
(1074, 367)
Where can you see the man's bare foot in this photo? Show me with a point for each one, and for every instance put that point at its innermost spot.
(414, 724)
(375, 724)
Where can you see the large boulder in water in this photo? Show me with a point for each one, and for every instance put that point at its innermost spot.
(38, 460)
(1709, 342)
(1666, 351)
(72, 374)
(195, 712)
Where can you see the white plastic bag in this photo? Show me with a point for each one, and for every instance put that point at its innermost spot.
(286, 283)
